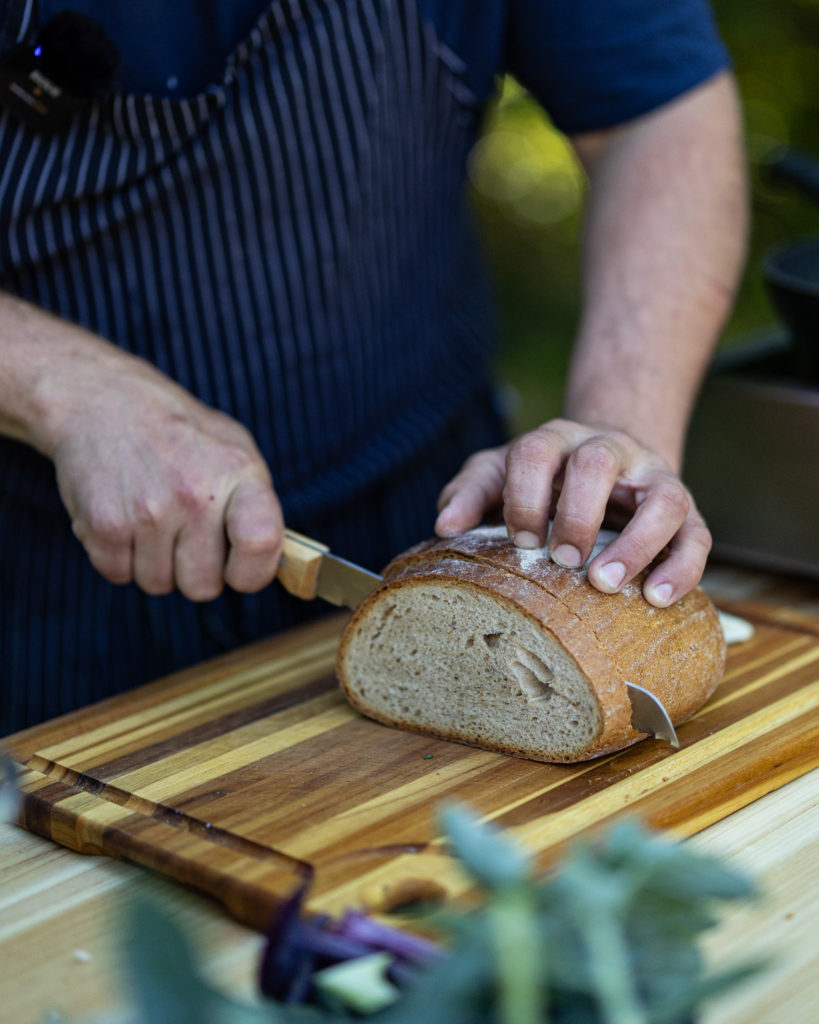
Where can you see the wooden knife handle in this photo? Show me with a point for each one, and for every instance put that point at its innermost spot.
(299, 566)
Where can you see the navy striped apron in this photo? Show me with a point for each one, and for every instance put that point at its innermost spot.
(292, 246)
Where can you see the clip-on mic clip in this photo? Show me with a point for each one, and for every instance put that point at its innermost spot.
(71, 63)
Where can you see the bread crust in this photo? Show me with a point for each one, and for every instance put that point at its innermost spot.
(678, 653)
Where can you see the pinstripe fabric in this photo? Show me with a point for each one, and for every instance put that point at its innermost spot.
(291, 245)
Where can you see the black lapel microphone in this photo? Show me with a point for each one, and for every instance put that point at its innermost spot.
(70, 63)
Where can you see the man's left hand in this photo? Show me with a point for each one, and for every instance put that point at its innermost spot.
(582, 476)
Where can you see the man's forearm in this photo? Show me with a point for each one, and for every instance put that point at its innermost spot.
(47, 364)
(664, 244)
(24, 355)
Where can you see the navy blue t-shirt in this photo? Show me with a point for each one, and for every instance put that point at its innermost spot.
(591, 63)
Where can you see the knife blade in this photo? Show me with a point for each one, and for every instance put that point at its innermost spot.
(648, 714)
(309, 570)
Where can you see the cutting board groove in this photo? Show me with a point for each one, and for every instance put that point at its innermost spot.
(247, 775)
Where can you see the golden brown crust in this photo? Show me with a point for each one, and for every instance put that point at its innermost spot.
(677, 653)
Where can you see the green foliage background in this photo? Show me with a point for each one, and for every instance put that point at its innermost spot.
(527, 192)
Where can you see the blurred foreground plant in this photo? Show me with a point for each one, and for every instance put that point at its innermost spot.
(609, 938)
(9, 794)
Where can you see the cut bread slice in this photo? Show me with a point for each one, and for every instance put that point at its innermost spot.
(474, 640)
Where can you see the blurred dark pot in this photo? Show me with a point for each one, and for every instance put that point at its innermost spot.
(792, 279)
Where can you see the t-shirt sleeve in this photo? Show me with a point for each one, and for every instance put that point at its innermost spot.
(598, 63)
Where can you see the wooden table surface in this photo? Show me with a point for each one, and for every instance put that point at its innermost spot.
(60, 911)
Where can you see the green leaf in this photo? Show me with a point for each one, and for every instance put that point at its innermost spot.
(359, 984)
(459, 989)
(633, 906)
(519, 953)
(165, 987)
(669, 867)
(9, 792)
(493, 861)
(673, 1010)
(229, 1012)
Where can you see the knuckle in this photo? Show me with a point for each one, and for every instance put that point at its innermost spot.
(148, 513)
(573, 524)
(197, 489)
(620, 439)
(672, 501)
(640, 553)
(191, 497)
(519, 508)
(239, 440)
(595, 457)
(700, 536)
(235, 433)
(242, 453)
(530, 448)
(104, 528)
(258, 544)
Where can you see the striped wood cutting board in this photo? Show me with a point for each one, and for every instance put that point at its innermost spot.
(247, 774)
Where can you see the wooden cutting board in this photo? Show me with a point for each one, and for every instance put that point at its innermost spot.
(248, 774)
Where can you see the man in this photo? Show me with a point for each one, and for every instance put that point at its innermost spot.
(245, 291)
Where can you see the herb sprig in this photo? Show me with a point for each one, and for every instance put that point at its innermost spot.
(609, 938)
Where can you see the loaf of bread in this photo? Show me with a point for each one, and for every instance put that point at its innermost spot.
(474, 640)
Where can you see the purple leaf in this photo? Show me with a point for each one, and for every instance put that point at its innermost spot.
(379, 936)
(281, 964)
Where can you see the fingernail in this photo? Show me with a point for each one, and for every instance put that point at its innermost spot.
(661, 594)
(612, 574)
(567, 555)
(524, 539)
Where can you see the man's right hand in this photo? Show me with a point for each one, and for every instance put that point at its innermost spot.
(160, 488)
(169, 493)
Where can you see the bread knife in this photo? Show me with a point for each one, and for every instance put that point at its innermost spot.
(648, 714)
(308, 570)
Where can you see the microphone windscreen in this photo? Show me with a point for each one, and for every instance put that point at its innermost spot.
(77, 52)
